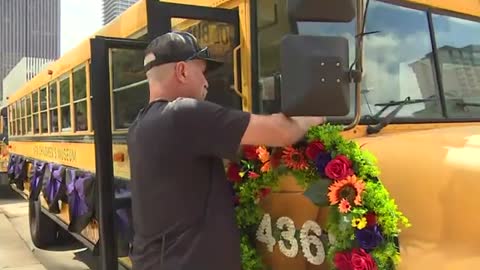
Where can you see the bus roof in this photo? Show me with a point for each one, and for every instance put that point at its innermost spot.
(134, 20)
(469, 9)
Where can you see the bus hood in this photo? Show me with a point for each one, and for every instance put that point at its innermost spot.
(434, 177)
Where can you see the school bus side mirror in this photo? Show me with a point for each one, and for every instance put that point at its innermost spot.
(314, 76)
(321, 10)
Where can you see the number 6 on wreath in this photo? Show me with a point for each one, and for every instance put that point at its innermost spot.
(307, 240)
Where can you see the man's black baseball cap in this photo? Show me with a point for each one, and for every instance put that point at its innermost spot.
(175, 47)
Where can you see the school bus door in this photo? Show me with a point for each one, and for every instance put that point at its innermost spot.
(216, 28)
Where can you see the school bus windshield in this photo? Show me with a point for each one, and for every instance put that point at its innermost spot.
(417, 54)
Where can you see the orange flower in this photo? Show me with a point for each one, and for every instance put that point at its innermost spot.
(349, 189)
(263, 154)
(344, 206)
(264, 157)
(294, 159)
(265, 167)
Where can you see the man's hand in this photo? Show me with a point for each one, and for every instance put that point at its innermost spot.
(278, 129)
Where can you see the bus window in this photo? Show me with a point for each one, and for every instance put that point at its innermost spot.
(43, 110)
(24, 115)
(219, 37)
(458, 46)
(80, 99)
(36, 128)
(66, 124)
(18, 116)
(389, 63)
(130, 88)
(29, 114)
(52, 100)
(12, 120)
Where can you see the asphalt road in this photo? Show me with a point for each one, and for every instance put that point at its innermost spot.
(69, 257)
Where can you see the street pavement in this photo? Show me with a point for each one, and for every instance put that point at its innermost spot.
(17, 251)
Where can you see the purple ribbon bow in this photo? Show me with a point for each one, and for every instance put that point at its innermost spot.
(19, 167)
(53, 185)
(11, 166)
(76, 194)
(37, 166)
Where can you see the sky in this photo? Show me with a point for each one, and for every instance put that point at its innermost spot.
(79, 19)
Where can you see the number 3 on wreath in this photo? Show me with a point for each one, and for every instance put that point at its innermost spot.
(288, 235)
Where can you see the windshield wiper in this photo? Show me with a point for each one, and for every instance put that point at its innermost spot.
(385, 121)
(468, 104)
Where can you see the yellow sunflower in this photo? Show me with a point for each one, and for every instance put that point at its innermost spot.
(349, 189)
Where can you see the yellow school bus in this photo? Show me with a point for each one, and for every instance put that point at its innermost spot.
(3, 141)
(416, 106)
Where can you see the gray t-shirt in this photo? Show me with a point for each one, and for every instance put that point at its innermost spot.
(183, 213)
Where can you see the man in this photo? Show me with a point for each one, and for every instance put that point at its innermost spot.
(183, 212)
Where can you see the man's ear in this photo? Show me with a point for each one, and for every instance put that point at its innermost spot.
(181, 71)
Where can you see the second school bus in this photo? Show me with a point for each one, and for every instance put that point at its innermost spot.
(417, 110)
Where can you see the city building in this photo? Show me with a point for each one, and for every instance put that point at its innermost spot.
(24, 71)
(113, 8)
(30, 30)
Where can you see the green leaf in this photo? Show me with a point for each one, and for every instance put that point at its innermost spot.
(317, 192)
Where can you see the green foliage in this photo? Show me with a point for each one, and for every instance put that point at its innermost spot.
(377, 199)
(251, 260)
(374, 199)
(386, 256)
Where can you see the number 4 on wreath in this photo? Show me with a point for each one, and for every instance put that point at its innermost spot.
(264, 232)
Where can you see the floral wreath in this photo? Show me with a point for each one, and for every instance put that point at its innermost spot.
(336, 173)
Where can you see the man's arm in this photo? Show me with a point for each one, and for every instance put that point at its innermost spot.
(277, 129)
(213, 130)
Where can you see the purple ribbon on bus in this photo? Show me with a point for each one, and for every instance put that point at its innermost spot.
(12, 164)
(37, 176)
(76, 194)
(53, 186)
(19, 167)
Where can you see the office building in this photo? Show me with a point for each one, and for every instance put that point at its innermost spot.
(28, 29)
(113, 8)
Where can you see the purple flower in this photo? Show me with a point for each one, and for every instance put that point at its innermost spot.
(321, 162)
(369, 237)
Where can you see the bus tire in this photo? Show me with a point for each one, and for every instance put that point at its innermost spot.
(43, 230)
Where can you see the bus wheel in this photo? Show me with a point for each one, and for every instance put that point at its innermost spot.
(43, 230)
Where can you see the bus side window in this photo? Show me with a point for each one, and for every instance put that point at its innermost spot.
(36, 129)
(129, 86)
(66, 124)
(52, 100)
(29, 114)
(43, 110)
(80, 99)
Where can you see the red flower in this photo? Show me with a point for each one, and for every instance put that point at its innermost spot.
(294, 159)
(343, 261)
(264, 192)
(250, 152)
(357, 259)
(276, 158)
(253, 175)
(339, 168)
(371, 218)
(313, 149)
(233, 173)
(361, 260)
